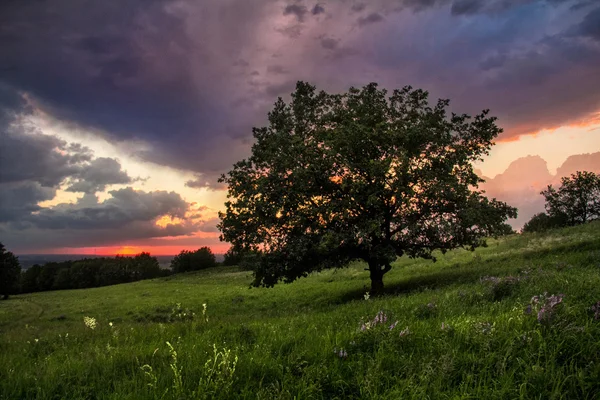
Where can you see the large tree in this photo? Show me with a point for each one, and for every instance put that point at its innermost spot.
(576, 201)
(10, 272)
(359, 175)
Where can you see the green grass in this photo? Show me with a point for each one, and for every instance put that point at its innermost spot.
(280, 342)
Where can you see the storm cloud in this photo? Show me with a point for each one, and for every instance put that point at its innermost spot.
(190, 79)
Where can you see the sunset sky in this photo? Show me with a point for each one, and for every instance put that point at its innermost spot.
(117, 117)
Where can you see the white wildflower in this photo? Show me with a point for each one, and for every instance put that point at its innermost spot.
(90, 322)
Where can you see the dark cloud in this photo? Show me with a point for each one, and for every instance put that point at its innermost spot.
(318, 9)
(127, 215)
(329, 43)
(140, 233)
(370, 19)
(296, 9)
(97, 175)
(460, 7)
(45, 160)
(19, 200)
(98, 45)
(523, 91)
(123, 70)
(163, 72)
(419, 5)
(124, 207)
(206, 180)
(177, 76)
(590, 26)
(38, 158)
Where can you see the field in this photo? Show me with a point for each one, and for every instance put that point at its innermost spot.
(465, 327)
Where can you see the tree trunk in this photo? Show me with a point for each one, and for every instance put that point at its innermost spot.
(376, 272)
(376, 287)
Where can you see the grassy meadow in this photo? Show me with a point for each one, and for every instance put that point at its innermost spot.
(518, 319)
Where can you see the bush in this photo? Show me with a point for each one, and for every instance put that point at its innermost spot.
(541, 222)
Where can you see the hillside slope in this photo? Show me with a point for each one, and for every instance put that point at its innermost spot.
(463, 327)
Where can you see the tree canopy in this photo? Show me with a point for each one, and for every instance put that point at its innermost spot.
(193, 260)
(541, 222)
(359, 175)
(10, 271)
(576, 201)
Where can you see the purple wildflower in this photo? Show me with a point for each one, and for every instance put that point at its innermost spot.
(545, 305)
(392, 326)
(596, 310)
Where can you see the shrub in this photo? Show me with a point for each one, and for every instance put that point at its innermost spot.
(541, 222)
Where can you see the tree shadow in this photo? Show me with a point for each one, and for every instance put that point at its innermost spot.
(470, 271)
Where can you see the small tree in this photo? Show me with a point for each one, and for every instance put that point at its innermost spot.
(359, 176)
(576, 201)
(194, 260)
(10, 273)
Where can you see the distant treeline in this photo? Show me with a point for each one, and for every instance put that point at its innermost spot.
(90, 272)
(104, 271)
(99, 271)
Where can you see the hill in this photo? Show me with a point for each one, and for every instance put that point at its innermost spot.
(518, 319)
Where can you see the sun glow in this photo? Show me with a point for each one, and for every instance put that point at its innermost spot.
(129, 250)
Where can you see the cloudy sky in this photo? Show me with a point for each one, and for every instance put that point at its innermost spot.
(117, 117)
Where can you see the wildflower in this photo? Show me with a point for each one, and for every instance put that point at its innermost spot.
(596, 310)
(485, 327)
(367, 296)
(90, 322)
(341, 353)
(380, 318)
(110, 324)
(545, 305)
(204, 312)
(392, 326)
(405, 332)
(555, 300)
